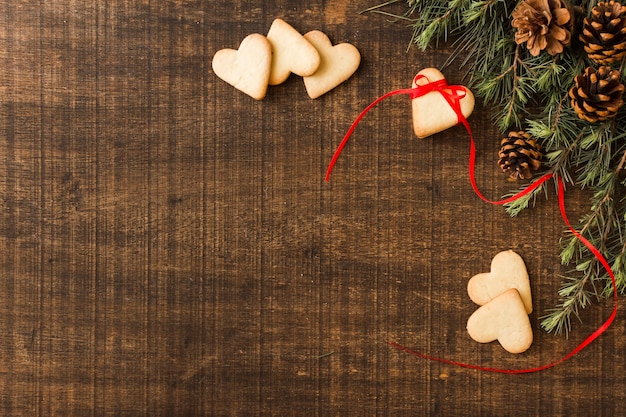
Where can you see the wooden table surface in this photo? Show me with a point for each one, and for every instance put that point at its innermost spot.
(170, 248)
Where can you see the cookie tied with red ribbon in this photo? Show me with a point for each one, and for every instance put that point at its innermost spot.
(436, 105)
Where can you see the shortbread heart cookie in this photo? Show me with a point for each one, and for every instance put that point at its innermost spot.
(507, 271)
(503, 319)
(248, 68)
(337, 64)
(431, 112)
(291, 53)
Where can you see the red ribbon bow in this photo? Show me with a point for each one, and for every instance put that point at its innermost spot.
(452, 93)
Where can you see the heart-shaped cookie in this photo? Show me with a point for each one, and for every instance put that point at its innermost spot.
(507, 271)
(431, 112)
(337, 64)
(291, 52)
(503, 319)
(248, 68)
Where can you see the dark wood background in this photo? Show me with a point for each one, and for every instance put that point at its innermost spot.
(169, 246)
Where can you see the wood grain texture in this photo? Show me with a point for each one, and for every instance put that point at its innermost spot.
(169, 246)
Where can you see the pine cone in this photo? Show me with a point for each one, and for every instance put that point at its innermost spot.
(543, 24)
(597, 95)
(519, 156)
(604, 33)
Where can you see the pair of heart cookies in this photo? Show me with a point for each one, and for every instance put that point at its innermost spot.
(505, 299)
(261, 61)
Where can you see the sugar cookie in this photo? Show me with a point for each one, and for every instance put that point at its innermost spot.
(507, 271)
(291, 52)
(248, 68)
(337, 64)
(504, 319)
(431, 112)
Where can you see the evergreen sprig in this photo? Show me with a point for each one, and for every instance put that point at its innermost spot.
(531, 92)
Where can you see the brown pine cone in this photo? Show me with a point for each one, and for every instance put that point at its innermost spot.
(604, 33)
(597, 95)
(519, 156)
(543, 24)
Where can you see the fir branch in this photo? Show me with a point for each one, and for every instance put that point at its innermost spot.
(518, 205)
(574, 293)
(599, 227)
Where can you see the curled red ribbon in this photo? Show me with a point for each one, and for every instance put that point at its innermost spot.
(453, 95)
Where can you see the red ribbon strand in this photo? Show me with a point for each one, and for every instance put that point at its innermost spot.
(453, 95)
